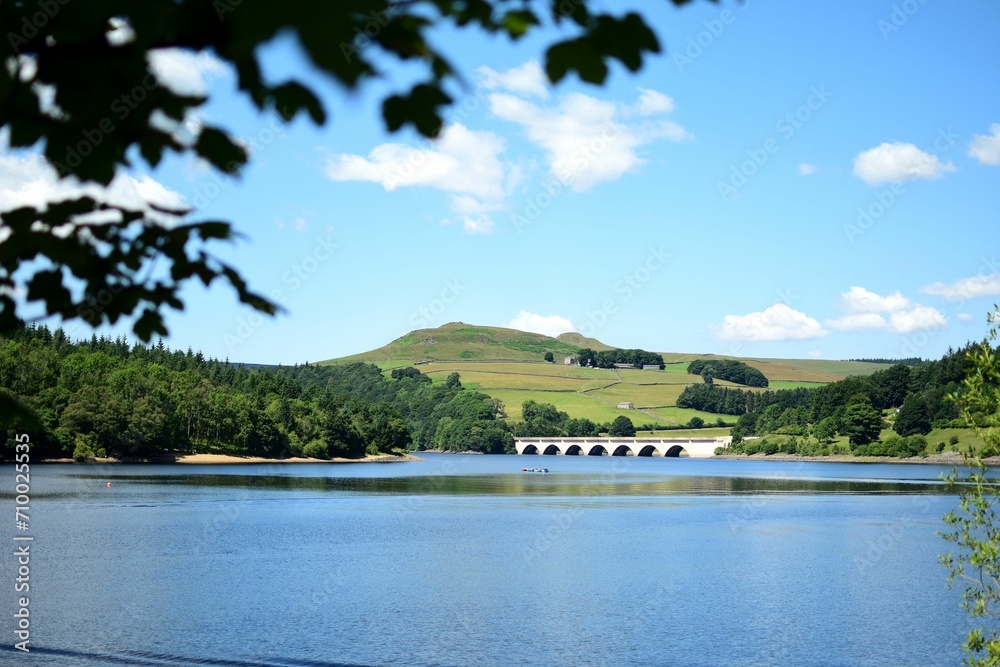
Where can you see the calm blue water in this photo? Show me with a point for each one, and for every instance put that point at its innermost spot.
(465, 560)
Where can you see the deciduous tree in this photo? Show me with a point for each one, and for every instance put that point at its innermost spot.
(65, 76)
(974, 528)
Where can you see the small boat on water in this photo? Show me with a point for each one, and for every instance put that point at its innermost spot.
(534, 469)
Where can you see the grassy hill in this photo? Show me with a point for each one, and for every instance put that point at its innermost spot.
(508, 364)
(578, 340)
(457, 341)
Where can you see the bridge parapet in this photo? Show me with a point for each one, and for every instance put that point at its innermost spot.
(695, 447)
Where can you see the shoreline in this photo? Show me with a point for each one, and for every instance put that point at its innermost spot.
(226, 459)
(931, 459)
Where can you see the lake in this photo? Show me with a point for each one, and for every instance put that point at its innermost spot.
(467, 560)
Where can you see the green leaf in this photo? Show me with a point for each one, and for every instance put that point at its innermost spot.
(292, 97)
(419, 108)
(221, 150)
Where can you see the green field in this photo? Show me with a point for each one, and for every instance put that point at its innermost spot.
(714, 432)
(573, 403)
(643, 396)
(792, 384)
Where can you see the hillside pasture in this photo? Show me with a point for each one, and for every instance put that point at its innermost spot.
(642, 395)
(484, 381)
(523, 368)
(575, 404)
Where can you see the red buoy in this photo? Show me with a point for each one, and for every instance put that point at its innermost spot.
(109, 485)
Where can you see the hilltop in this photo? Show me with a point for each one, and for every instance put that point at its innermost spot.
(457, 341)
(578, 340)
(508, 364)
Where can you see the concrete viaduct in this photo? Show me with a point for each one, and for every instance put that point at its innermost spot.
(694, 447)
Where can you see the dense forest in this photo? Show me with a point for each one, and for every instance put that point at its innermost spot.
(727, 369)
(109, 397)
(608, 358)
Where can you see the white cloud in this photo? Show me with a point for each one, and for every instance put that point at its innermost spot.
(986, 148)
(121, 32)
(462, 162)
(652, 103)
(551, 325)
(779, 322)
(858, 322)
(28, 180)
(860, 300)
(966, 288)
(527, 79)
(865, 311)
(585, 139)
(480, 224)
(897, 163)
(806, 169)
(965, 317)
(918, 318)
(185, 72)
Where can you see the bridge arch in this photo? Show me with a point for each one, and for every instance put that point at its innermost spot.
(623, 450)
(598, 450)
(530, 449)
(551, 450)
(648, 450)
(675, 451)
(573, 450)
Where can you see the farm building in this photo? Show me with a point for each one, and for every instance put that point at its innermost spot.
(650, 367)
(626, 405)
(624, 366)
(570, 361)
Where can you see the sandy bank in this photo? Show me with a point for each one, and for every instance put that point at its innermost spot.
(226, 458)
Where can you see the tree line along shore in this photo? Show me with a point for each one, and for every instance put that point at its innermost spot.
(108, 398)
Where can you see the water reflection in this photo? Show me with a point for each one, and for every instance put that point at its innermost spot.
(607, 484)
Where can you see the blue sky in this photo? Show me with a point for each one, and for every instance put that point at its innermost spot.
(809, 180)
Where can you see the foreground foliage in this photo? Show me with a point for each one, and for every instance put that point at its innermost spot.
(973, 528)
(77, 86)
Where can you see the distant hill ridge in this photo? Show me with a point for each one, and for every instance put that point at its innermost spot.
(457, 341)
(461, 342)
